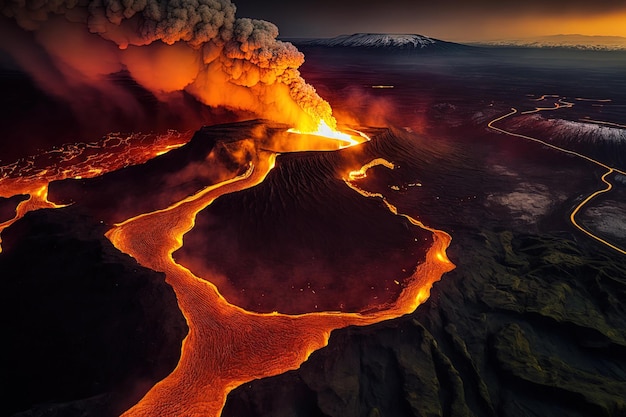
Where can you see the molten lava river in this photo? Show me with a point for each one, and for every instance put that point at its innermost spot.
(265, 262)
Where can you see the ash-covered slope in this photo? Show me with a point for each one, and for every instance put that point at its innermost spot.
(303, 241)
(380, 41)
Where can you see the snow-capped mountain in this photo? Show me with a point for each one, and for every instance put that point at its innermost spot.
(376, 40)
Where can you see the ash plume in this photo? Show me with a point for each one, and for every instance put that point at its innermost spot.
(196, 46)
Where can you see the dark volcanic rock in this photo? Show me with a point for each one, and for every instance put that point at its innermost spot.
(549, 375)
(87, 330)
(8, 206)
(525, 326)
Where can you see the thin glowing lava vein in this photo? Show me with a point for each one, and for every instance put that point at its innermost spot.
(179, 49)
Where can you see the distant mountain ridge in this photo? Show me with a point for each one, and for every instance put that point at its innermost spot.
(378, 41)
(573, 41)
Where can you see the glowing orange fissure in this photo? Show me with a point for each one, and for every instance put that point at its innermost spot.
(226, 345)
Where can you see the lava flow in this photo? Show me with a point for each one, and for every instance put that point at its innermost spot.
(226, 345)
(31, 176)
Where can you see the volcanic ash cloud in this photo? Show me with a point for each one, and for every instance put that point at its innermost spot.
(197, 46)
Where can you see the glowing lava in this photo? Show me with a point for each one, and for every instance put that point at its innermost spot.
(31, 176)
(227, 345)
(38, 199)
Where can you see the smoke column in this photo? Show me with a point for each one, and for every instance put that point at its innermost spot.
(71, 48)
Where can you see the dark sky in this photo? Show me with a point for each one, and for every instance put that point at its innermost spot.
(444, 19)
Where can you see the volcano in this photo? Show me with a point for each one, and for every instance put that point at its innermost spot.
(232, 270)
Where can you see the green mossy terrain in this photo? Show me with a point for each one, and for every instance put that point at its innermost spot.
(525, 326)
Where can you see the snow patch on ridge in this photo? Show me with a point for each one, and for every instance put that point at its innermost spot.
(578, 131)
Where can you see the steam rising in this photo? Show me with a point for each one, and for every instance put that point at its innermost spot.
(198, 46)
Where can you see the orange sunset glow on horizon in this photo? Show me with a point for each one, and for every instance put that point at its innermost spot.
(531, 26)
(484, 27)
(451, 20)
